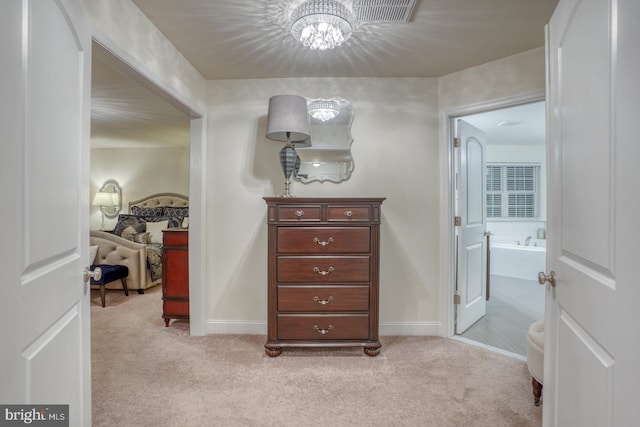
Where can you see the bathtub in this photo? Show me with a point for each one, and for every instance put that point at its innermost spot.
(519, 261)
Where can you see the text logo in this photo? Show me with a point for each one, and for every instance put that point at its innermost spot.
(34, 415)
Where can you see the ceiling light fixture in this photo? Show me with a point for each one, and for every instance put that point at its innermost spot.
(323, 109)
(321, 24)
(509, 123)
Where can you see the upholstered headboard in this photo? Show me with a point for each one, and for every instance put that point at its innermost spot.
(161, 199)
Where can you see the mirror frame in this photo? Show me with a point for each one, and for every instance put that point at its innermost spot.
(322, 142)
(112, 186)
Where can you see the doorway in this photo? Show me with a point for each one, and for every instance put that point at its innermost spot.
(514, 204)
(188, 110)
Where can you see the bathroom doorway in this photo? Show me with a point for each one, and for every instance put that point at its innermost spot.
(515, 209)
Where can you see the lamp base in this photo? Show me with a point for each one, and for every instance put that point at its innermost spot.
(287, 189)
(290, 162)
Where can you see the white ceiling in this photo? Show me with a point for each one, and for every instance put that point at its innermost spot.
(247, 39)
(519, 125)
(240, 39)
(125, 114)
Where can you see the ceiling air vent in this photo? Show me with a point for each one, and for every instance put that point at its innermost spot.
(384, 10)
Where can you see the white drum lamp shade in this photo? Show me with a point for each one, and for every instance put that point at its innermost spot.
(288, 121)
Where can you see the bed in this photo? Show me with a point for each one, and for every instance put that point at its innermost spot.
(136, 240)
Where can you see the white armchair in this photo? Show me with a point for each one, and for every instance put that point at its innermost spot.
(535, 358)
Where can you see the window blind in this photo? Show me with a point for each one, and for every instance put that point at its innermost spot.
(512, 190)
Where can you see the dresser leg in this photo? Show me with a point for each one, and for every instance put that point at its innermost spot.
(372, 351)
(166, 322)
(273, 352)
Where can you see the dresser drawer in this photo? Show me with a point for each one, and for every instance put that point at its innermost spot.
(323, 239)
(323, 327)
(302, 213)
(175, 237)
(349, 213)
(326, 298)
(323, 269)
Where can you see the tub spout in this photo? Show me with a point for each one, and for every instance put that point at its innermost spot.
(528, 241)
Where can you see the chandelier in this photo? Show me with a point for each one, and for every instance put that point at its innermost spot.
(323, 109)
(321, 24)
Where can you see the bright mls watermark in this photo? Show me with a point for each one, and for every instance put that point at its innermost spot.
(34, 415)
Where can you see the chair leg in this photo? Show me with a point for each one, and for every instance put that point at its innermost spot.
(537, 391)
(124, 286)
(102, 294)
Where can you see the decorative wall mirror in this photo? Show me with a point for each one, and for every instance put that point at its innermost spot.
(329, 156)
(112, 186)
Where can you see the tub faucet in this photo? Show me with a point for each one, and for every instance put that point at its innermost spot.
(526, 242)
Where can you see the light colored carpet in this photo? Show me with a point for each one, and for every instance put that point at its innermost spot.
(147, 375)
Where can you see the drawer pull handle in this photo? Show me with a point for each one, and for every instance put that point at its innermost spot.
(316, 240)
(299, 213)
(322, 331)
(348, 213)
(323, 273)
(323, 301)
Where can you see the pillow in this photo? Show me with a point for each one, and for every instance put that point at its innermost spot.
(131, 234)
(128, 233)
(155, 230)
(185, 222)
(124, 221)
(93, 251)
(177, 212)
(143, 238)
(174, 222)
(147, 213)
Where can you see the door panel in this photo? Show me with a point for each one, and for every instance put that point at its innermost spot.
(588, 370)
(45, 115)
(61, 338)
(586, 164)
(472, 251)
(54, 78)
(584, 317)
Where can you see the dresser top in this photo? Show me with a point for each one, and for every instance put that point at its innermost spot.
(299, 200)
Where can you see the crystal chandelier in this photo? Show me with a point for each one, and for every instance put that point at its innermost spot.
(321, 24)
(323, 109)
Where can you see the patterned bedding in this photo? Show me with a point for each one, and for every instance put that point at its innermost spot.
(137, 228)
(154, 260)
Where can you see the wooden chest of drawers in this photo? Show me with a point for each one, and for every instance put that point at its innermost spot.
(175, 274)
(323, 273)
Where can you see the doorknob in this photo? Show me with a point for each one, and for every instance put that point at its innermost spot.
(551, 278)
(87, 274)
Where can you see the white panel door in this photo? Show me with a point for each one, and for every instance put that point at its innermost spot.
(592, 349)
(45, 106)
(471, 243)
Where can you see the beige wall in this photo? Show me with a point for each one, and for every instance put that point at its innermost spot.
(140, 172)
(395, 149)
(516, 75)
(398, 152)
(121, 26)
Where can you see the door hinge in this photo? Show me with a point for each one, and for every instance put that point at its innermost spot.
(456, 299)
(457, 221)
(456, 142)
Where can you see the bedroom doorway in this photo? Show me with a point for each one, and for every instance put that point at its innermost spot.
(147, 139)
(514, 204)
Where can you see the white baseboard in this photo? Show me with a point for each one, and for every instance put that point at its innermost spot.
(410, 328)
(236, 327)
(245, 327)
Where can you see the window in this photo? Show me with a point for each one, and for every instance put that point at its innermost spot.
(512, 190)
